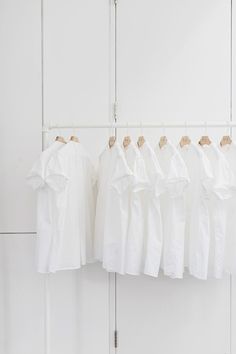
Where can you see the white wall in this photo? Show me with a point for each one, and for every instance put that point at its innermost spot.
(173, 63)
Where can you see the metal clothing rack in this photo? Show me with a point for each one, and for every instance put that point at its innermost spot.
(219, 124)
(47, 128)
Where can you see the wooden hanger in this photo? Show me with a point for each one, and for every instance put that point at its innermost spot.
(126, 141)
(111, 141)
(74, 138)
(226, 140)
(205, 140)
(60, 139)
(163, 141)
(141, 141)
(185, 140)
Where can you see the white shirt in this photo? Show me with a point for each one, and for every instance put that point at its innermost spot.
(197, 231)
(112, 210)
(136, 233)
(172, 206)
(71, 175)
(221, 192)
(152, 223)
(45, 201)
(229, 151)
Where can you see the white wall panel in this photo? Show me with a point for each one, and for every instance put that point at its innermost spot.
(78, 304)
(173, 64)
(20, 110)
(173, 60)
(2, 301)
(233, 289)
(80, 317)
(172, 316)
(23, 297)
(76, 61)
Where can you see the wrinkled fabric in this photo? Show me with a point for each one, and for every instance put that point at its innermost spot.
(220, 192)
(196, 195)
(229, 152)
(135, 246)
(45, 207)
(71, 175)
(172, 208)
(112, 209)
(152, 226)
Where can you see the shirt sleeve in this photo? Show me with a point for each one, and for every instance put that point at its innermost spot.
(224, 178)
(35, 178)
(140, 175)
(207, 178)
(155, 174)
(178, 177)
(122, 177)
(56, 176)
(93, 173)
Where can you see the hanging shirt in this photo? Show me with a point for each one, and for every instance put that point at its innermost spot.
(152, 223)
(221, 192)
(197, 229)
(45, 201)
(172, 206)
(135, 248)
(70, 174)
(229, 151)
(112, 210)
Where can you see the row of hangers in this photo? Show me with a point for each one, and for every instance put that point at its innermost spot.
(185, 140)
(61, 139)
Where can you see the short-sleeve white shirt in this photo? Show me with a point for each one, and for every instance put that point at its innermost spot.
(172, 207)
(229, 151)
(152, 222)
(112, 210)
(197, 230)
(220, 193)
(70, 173)
(45, 202)
(135, 248)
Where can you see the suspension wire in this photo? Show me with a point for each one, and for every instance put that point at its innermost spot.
(231, 135)
(46, 276)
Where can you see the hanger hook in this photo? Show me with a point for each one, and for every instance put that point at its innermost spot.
(113, 128)
(127, 128)
(228, 128)
(186, 128)
(141, 128)
(57, 130)
(110, 129)
(72, 129)
(163, 129)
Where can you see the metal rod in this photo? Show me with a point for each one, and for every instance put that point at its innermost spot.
(224, 124)
(231, 134)
(47, 348)
(42, 70)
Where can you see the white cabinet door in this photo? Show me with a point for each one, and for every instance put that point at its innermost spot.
(173, 64)
(22, 294)
(173, 60)
(76, 61)
(79, 311)
(78, 304)
(20, 110)
(77, 81)
(172, 316)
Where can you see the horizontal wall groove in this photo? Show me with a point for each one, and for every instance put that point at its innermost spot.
(19, 233)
